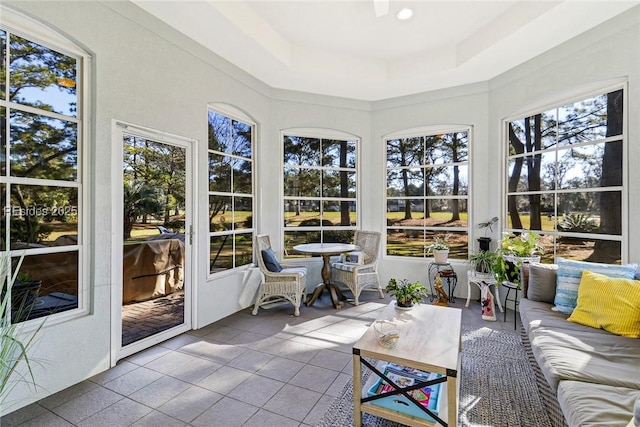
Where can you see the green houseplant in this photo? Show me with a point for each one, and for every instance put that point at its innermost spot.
(514, 250)
(439, 248)
(14, 344)
(482, 262)
(406, 293)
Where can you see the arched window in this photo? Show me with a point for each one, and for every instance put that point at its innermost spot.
(43, 104)
(565, 175)
(320, 186)
(231, 188)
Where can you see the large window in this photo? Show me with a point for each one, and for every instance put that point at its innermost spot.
(231, 200)
(428, 192)
(320, 188)
(565, 177)
(41, 181)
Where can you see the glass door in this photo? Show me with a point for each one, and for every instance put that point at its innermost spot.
(156, 240)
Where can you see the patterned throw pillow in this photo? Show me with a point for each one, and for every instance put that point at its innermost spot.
(570, 273)
(609, 304)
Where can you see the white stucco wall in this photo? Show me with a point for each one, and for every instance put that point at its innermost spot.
(147, 74)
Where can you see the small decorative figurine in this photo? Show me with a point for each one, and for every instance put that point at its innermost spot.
(441, 296)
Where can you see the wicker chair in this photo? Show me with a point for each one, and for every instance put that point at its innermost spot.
(289, 284)
(364, 271)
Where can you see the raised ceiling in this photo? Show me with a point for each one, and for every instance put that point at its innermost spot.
(340, 47)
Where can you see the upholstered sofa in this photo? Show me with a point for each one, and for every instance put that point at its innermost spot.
(586, 376)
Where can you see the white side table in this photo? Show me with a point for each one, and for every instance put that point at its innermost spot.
(471, 278)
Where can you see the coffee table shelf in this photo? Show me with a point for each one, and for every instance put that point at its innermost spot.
(430, 340)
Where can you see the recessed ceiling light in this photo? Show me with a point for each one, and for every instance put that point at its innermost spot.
(404, 14)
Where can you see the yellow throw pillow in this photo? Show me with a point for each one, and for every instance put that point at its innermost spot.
(608, 303)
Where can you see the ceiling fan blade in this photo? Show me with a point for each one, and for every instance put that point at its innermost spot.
(381, 7)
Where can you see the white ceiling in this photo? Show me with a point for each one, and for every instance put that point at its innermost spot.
(340, 47)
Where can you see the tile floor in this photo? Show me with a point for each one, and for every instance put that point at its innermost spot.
(273, 369)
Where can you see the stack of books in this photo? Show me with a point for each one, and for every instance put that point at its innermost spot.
(403, 376)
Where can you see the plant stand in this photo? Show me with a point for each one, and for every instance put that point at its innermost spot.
(446, 273)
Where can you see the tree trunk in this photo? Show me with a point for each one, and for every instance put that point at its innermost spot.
(610, 201)
(512, 204)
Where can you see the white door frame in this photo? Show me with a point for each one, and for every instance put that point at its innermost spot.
(118, 130)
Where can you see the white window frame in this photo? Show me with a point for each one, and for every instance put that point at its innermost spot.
(320, 133)
(234, 114)
(425, 131)
(556, 101)
(36, 32)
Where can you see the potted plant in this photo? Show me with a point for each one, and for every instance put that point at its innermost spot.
(485, 241)
(14, 342)
(514, 250)
(482, 263)
(439, 249)
(406, 293)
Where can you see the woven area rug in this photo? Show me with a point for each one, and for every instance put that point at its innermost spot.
(498, 386)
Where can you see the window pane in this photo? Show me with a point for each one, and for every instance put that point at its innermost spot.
(337, 236)
(42, 147)
(533, 133)
(293, 238)
(446, 148)
(584, 212)
(220, 253)
(243, 249)
(584, 249)
(43, 216)
(520, 212)
(447, 180)
(340, 212)
(583, 121)
(241, 139)
(242, 176)
(582, 167)
(457, 241)
(219, 132)
(447, 212)
(301, 182)
(41, 77)
(338, 184)
(301, 151)
(338, 153)
(405, 182)
(405, 152)
(405, 242)
(219, 173)
(242, 213)
(219, 218)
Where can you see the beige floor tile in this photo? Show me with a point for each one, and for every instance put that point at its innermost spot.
(331, 359)
(159, 392)
(224, 379)
(133, 381)
(251, 360)
(84, 406)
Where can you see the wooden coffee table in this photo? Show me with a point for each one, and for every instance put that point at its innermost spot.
(430, 340)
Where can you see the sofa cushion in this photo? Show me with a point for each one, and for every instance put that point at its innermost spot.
(542, 282)
(570, 273)
(570, 351)
(588, 404)
(270, 260)
(609, 304)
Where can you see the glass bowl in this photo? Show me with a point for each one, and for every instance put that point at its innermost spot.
(387, 333)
